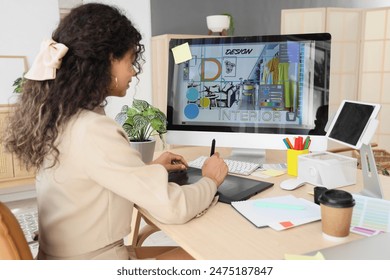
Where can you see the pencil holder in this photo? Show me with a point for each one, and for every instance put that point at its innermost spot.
(292, 160)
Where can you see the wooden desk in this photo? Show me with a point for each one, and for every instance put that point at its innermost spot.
(222, 233)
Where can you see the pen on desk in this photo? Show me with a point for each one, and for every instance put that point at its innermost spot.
(212, 151)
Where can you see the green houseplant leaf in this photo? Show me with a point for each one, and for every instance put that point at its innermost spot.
(143, 121)
(18, 85)
(231, 24)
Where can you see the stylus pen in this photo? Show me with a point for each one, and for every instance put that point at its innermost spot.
(212, 151)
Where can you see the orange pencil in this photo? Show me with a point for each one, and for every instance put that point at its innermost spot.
(289, 143)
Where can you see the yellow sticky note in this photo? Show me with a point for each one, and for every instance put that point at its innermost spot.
(181, 53)
(273, 172)
(318, 256)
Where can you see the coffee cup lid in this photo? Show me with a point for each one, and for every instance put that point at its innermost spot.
(337, 198)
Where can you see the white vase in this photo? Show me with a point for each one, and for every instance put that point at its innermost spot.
(217, 23)
(146, 149)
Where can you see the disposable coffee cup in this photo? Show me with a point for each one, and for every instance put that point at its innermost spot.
(336, 213)
(317, 193)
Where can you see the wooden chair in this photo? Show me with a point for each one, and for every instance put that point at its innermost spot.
(139, 235)
(13, 244)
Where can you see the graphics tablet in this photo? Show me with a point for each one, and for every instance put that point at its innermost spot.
(234, 188)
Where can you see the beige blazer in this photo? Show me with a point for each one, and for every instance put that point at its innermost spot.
(85, 202)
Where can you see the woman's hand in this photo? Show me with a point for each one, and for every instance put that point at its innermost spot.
(215, 168)
(171, 161)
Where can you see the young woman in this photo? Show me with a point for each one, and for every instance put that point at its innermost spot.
(88, 177)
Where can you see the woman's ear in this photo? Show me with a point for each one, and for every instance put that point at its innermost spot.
(111, 57)
(114, 63)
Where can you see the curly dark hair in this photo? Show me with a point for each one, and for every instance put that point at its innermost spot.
(94, 33)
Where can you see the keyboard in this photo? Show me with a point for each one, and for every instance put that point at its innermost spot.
(234, 166)
(28, 220)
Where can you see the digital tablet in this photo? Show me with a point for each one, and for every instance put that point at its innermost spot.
(234, 188)
(354, 123)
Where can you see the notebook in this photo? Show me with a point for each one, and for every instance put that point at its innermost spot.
(234, 188)
(279, 213)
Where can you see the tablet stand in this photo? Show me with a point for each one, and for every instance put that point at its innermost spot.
(371, 181)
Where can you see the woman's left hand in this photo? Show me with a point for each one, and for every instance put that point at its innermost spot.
(171, 161)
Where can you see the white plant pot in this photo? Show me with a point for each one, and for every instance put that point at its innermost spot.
(146, 149)
(217, 23)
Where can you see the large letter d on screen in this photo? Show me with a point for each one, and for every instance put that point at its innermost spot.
(211, 69)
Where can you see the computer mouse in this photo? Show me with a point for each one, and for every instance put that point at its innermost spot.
(292, 184)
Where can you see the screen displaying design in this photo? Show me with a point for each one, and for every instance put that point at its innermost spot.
(257, 84)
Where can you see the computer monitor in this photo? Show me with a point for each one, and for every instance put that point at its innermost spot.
(249, 92)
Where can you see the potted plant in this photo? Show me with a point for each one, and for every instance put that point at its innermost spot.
(230, 30)
(143, 122)
(18, 85)
(222, 24)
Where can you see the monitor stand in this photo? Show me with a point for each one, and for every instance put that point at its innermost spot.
(371, 183)
(248, 155)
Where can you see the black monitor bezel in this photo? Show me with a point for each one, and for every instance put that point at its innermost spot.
(319, 37)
